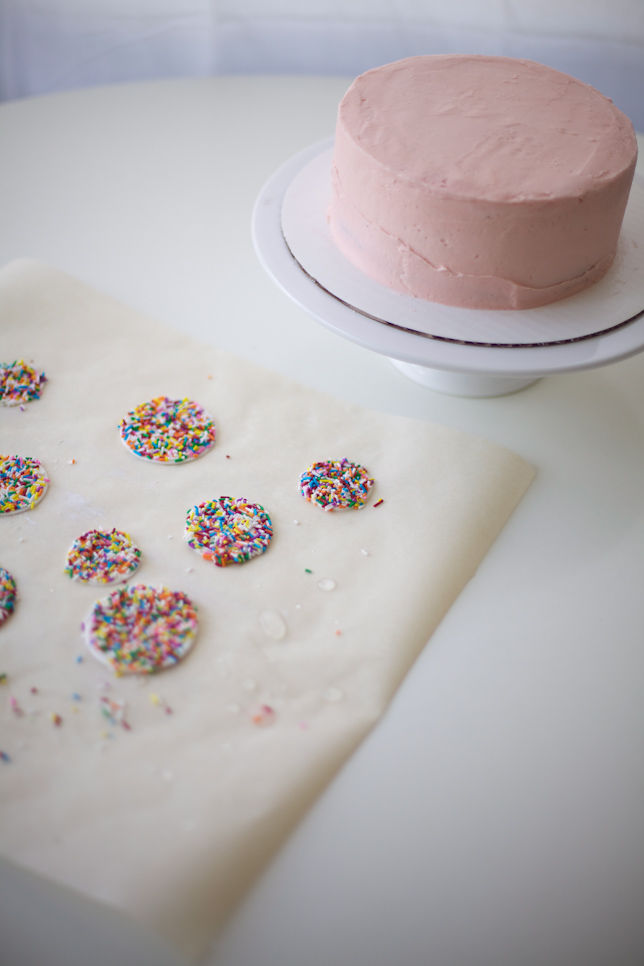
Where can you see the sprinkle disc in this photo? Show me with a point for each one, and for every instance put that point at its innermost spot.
(168, 430)
(228, 531)
(102, 557)
(23, 483)
(141, 629)
(19, 383)
(7, 594)
(336, 485)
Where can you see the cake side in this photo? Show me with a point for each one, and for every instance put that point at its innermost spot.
(481, 182)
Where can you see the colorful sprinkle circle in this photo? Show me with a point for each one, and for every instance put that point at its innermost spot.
(168, 430)
(19, 383)
(7, 594)
(102, 557)
(228, 531)
(141, 629)
(23, 483)
(336, 485)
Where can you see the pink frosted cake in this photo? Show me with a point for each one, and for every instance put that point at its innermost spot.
(482, 182)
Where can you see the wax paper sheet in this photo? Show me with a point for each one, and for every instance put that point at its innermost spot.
(171, 816)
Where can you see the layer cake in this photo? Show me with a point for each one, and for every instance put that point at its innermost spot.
(481, 182)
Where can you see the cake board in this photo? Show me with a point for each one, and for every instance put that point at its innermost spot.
(463, 352)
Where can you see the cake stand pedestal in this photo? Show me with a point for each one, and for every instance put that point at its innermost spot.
(460, 352)
(462, 383)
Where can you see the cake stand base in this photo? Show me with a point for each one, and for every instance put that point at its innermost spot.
(459, 352)
(461, 383)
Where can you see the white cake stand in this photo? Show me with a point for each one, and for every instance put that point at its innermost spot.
(461, 352)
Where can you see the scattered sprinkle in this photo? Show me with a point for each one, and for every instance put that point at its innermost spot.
(4, 678)
(227, 456)
(15, 707)
(168, 430)
(71, 462)
(23, 483)
(326, 584)
(336, 485)
(4, 756)
(228, 531)
(141, 629)
(378, 503)
(273, 624)
(114, 710)
(102, 557)
(7, 600)
(19, 383)
(338, 632)
(307, 571)
(265, 715)
(34, 690)
(79, 658)
(76, 697)
(296, 522)
(159, 702)
(56, 719)
(365, 552)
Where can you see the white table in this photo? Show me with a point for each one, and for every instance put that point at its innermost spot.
(496, 816)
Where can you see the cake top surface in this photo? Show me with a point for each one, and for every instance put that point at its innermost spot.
(499, 128)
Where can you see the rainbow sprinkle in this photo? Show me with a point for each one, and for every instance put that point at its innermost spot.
(336, 485)
(228, 531)
(141, 629)
(114, 709)
(7, 601)
(102, 557)
(22, 483)
(19, 383)
(168, 430)
(263, 716)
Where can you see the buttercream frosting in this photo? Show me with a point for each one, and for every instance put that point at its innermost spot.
(483, 182)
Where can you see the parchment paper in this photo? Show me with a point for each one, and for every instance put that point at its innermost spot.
(171, 821)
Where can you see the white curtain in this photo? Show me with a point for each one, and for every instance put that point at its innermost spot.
(52, 45)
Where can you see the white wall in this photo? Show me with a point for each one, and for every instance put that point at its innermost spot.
(50, 45)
